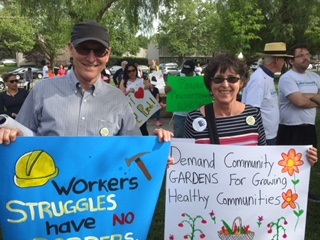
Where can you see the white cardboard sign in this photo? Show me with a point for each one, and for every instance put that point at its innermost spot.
(143, 104)
(236, 192)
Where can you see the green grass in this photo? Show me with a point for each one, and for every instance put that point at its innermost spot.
(6, 69)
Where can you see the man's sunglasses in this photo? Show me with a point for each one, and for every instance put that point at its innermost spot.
(85, 51)
(221, 79)
(13, 81)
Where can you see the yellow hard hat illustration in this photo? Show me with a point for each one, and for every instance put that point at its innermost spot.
(35, 169)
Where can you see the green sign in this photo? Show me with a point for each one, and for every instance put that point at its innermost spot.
(187, 94)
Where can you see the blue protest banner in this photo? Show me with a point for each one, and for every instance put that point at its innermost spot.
(88, 188)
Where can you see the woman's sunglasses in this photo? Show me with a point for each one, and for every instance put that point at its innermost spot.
(13, 81)
(221, 79)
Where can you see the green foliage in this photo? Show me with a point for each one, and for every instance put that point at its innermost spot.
(138, 12)
(186, 28)
(123, 35)
(239, 24)
(290, 22)
(17, 33)
(6, 69)
(313, 34)
(54, 20)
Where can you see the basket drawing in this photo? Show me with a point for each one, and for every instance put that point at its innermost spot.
(237, 236)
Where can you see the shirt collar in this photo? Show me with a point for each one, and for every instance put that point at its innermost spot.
(267, 71)
(76, 85)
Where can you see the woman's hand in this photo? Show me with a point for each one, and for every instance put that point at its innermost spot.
(312, 155)
(170, 162)
(9, 135)
(163, 135)
(132, 90)
(146, 86)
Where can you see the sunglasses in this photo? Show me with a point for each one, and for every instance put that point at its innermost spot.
(13, 81)
(131, 71)
(221, 79)
(85, 51)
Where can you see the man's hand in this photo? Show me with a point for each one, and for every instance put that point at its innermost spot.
(163, 135)
(8, 136)
(316, 98)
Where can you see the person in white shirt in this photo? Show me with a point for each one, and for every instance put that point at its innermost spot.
(45, 70)
(198, 69)
(261, 91)
(299, 97)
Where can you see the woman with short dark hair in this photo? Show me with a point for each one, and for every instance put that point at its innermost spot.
(12, 99)
(236, 123)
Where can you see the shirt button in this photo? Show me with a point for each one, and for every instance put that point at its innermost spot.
(83, 118)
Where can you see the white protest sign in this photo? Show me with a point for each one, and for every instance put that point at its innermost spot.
(236, 192)
(157, 76)
(143, 104)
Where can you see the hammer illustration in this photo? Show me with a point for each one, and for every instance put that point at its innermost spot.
(136, 158)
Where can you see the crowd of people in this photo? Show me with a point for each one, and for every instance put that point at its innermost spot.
(259, 118)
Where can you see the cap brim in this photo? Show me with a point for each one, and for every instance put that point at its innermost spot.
(81, 40)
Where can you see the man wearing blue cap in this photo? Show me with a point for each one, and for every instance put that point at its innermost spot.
(80, 103)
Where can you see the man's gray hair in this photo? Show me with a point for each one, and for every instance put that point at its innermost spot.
(268, 60)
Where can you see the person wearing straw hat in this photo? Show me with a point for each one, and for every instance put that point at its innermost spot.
(261, 91)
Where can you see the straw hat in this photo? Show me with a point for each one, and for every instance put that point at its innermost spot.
(275, 49)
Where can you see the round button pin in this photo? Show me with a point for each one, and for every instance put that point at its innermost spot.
(104, 132)
(199, 124)
(250, 120)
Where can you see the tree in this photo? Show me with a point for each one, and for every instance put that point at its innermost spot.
(16, 32)
(239, 25)
(313, 35)
(53, 20)
(185, 28)
(123, 34)
(291, 21)
(136, 11)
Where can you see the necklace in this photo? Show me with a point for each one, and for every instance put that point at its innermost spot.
(12, 94)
